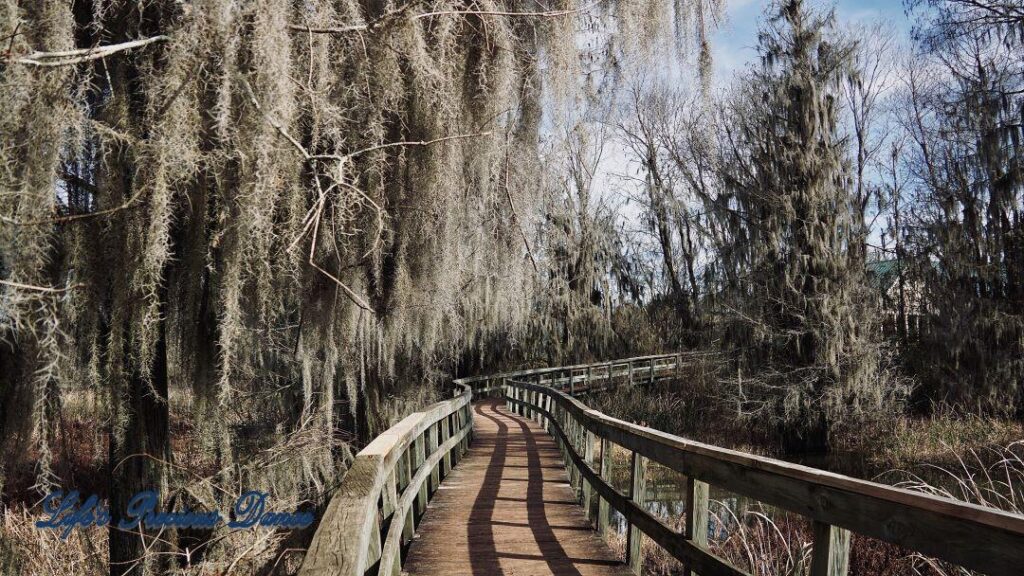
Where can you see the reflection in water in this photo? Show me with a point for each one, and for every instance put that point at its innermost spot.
(665, 498)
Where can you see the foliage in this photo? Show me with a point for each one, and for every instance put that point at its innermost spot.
(963, 115)
(300, 212)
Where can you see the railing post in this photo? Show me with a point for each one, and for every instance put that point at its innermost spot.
(696, 515)
(634, 537)
(508, 394)
(630, 366)
(374, 548)
(606, 474)
(390, 499)
(390, 496)
(588, 488)
(580, 435)
(831, 555)
(572, 384)
(574, 477)
(420, 456)
(469, 422)
(590, 378)
(460, 423)
(538, 405)
(432, 443)
(446, 427)
(652, 371)
(408, 523)
(549, 406)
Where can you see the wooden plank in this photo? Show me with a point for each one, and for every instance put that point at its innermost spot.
(507, 509)
(831, 555)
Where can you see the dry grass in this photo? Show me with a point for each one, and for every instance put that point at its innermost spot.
(268, 460)
(24, 549)
(907, 441)
(951, 454)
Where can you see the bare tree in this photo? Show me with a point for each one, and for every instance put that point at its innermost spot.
(864, 91)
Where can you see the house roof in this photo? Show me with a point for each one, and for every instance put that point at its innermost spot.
(881, 274)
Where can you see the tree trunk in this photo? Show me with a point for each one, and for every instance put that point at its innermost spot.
(139, 462)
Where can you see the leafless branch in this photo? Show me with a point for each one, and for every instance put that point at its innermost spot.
(47, 289)
(67, 57)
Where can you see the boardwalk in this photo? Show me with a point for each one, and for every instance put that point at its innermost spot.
(508, 509)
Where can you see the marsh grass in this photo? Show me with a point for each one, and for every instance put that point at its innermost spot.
(947, 453)
(268, 459)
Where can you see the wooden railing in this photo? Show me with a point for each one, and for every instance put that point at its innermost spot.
(585, 378)
(373, 514)
(978, 538)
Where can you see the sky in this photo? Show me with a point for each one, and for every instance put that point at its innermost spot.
(733, 44)
(733, 48)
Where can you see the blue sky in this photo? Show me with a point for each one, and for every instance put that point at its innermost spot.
(733, 46)
(735, 41)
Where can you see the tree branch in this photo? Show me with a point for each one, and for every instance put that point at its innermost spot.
(67, 57)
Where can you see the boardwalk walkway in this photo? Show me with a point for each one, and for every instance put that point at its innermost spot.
(507, 508)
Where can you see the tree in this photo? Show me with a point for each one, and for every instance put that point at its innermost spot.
(964, 119)
(294, 209)
(652, 126)
(874, 50)
(799, 319)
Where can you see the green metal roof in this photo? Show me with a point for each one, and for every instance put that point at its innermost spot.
(881, 273)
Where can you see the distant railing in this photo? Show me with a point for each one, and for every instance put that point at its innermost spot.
(974, 537)
(585, 378)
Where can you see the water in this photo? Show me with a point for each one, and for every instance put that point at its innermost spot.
(665, 499)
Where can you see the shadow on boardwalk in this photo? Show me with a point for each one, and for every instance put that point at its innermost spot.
(507, 509)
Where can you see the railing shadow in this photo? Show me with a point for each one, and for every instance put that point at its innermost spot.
(550, 548)
(483, 552)
(485, 558)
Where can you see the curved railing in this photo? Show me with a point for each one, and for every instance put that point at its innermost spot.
(375, 509)
(978, 538)
(373, 515)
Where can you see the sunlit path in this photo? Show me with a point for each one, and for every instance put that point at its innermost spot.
(507, 508)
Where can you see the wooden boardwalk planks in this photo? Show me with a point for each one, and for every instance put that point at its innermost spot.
(507, 509)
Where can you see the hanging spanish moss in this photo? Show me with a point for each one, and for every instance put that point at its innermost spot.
(291, 214)
(798, 316)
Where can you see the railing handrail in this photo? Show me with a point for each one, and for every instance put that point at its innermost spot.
(973, 536)
(373, 511)
(394, 476)
(499, 377)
